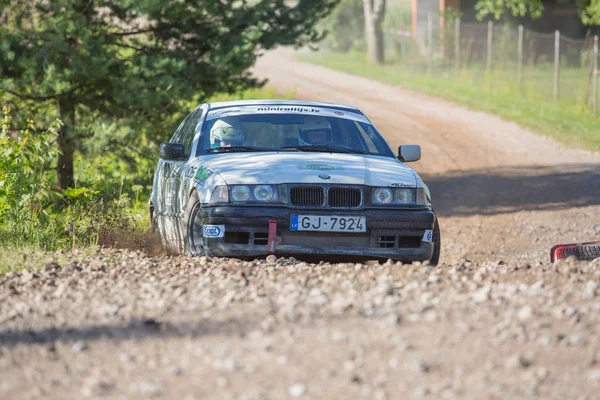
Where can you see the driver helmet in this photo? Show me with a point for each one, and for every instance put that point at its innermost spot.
(315, 132)
(227, 132)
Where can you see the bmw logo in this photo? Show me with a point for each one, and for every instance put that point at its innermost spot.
(324, 176)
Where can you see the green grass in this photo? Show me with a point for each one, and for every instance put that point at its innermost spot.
(570, 120)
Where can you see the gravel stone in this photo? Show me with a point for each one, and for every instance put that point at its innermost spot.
(297, 390)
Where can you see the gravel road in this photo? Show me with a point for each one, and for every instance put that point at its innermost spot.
(494, 321)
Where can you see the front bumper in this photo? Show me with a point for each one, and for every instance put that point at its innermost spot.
(394, 234)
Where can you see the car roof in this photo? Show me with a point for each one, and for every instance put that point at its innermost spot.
(275, 102)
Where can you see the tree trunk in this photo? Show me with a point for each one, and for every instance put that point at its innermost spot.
(374, 11)
(66, 145)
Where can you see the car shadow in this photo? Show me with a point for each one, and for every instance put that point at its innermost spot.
(135, 329)
(512, 189)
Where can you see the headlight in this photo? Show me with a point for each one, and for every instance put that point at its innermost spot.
(399, 196)
(404, 196)
(240, 193)
(254, 193)
(382, 196)
(220, 195)
(263, 193)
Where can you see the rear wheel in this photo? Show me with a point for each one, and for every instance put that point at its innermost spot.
(437, 241)
(192, 240)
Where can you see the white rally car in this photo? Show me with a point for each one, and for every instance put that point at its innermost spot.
(291, 178)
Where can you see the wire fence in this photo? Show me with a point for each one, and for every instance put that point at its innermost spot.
(499, 57)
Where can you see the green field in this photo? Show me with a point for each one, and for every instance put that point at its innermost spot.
(570, 120)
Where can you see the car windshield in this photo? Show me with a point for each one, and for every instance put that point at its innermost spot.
(291, 132)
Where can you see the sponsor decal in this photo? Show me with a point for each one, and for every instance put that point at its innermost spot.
(318, 167)
(202, 175)
(225, 111)
(428, 236)
(298, 109)
(214, 231)
(402, 185)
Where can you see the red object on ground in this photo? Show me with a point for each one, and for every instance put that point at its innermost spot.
(272, 242)
(581, 251)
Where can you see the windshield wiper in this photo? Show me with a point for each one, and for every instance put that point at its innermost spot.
(238, 148)
(328, 149)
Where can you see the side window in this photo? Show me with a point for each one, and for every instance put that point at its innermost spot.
(189, 131)
(185, 132)
(177, 135)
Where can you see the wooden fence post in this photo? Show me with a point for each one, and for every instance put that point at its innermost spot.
(556, 63)
(520, 58)
(457, 44)
(430, 33)
(595, 78)
(490, 43)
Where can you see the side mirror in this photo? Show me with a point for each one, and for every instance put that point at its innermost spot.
(171, 151)
(409, 152)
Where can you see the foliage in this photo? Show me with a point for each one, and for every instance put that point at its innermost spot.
(134, 63)
(26, 186)
(589, 10)
(29, 215)
(520, 8)
(346, 27)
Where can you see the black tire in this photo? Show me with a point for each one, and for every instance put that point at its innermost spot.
(437, 241)
(585, 252)
(192, 237)
(153, 224)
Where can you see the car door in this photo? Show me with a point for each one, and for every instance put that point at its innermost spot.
(164, 195)
(173, 172)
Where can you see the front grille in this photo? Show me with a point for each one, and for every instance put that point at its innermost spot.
(388, 239)
(344, 197)
(385, 241)
(307, 196)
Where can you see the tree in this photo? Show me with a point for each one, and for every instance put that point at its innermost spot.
(589, 10)
(374, 13)
(518, 8)
(126, 61)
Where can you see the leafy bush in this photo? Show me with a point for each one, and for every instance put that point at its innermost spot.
(26, 184)
(35, 214)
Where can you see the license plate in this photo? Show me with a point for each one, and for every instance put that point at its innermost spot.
(328, 223)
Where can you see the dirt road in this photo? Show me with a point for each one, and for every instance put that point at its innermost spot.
(495, 321)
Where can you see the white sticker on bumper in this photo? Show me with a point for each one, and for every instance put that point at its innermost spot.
(214, 231)
(428, 236)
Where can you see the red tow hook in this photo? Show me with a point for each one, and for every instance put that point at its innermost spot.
(272, 243)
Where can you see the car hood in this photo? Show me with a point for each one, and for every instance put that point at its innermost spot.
(303, 167)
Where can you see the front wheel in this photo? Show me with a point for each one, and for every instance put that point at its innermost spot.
(192, 240)
(437, 241)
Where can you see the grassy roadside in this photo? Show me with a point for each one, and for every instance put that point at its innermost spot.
(571, 124)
